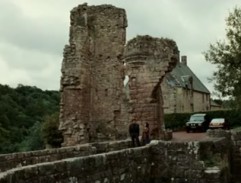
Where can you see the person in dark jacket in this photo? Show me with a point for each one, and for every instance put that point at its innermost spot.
(134, 131)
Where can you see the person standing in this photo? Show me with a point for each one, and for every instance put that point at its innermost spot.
(146, 134)
(134, 131)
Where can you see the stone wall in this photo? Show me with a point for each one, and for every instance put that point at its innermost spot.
(236, 156)
(14, 160)
(129, 165)
(92, 75)
(160, 161)
(201, 101)
(147, 61)
(234, 145)
(181, 100)
(190, 162)
(169, 94)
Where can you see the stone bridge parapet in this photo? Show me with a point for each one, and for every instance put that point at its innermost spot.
(15, 160)
(160, 161)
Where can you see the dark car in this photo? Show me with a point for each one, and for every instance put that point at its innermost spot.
(198, 122)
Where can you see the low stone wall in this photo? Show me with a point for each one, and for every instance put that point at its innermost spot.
(234, 137)
(190, 161)
(236, 157)
(129, 165)
(160, 161)
(14, 160)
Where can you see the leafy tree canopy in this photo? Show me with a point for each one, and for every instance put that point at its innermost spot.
(226, 55)
(22, 112)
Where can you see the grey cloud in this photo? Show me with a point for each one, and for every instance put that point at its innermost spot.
(30, 68)
(30, 60)
(32, 45)
(46, 35)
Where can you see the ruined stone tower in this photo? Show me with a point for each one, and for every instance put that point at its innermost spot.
(92, 74)
(147, 61)
(93, 104)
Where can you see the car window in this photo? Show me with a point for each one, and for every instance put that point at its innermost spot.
(218, 120)
(196, 118)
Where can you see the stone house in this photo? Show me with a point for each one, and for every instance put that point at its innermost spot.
(183, 91)
(215, 106)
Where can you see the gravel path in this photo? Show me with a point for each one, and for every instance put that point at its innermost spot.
(184, 136)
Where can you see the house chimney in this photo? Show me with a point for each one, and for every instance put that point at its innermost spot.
(178, 56)
(184, 60)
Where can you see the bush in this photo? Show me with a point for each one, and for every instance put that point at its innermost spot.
(176, 121)
(51, 135)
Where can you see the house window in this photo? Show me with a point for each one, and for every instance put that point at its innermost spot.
(192, 107)
(133, 82)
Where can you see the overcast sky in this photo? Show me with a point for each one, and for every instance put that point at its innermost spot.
(33, 33)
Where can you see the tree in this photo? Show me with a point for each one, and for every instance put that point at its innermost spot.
(226, 55)
(22, 112)
(34, 140)
(51, 135)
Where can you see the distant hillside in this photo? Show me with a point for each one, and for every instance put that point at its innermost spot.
(22, 111)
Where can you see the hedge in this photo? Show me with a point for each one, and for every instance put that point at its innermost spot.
(177, 121)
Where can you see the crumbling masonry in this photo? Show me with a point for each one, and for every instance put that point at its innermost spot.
(147, 61)
(94, 106)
